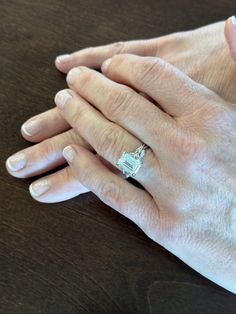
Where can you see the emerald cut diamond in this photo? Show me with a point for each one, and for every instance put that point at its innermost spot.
(130, 163)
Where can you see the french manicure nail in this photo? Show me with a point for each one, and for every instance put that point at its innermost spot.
(105, 64)
(61, 98)
(39, 187)
(233, 19)
(69, 153)
(16, 162)
(63, 58)
(71, 76)
(30, 128)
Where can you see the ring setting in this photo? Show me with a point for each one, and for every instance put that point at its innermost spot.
(130, 162)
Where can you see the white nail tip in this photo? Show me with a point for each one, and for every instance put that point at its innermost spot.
(233, 19)
(63, 58)
(32, 191)
(61, 98)
(72, 74)
(25, 131)
(16, 163)
(38, 188)
(30, 128)
(106, 64)
(9, 166)
(69, 153)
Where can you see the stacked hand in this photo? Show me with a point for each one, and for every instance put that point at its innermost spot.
(188, 203)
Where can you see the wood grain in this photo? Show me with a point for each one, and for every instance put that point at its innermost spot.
(80, 256)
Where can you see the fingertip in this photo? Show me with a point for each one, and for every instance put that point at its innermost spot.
(30, 130)
(69, 153)
(24, 132)
(57, 187)
(38, 188)
(63, 59)
(62, 62)
(105, 65)
(233, 20)
(230, 35)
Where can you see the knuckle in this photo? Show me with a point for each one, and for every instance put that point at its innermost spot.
(167, 43)
(118, 100)
(110, 193)
(84, 175)
(107, 140)
(84, 79)
(177, 38)
(81, 115)
(117, 59)
(218, 115)
(188, 148)
(89, 51)
(116, 48)
(222, 125)
(147, 71)
(47, 150)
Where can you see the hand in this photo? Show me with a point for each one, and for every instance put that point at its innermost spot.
(230, 34)
(202, 54)
(189, 201)
(195, 52)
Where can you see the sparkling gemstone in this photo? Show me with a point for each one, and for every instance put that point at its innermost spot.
(129, 164)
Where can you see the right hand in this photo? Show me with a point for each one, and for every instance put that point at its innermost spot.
(201, 53)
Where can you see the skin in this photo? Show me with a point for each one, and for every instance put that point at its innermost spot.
(188, 200)
(202, 54)
(230, 34)
(191, 158)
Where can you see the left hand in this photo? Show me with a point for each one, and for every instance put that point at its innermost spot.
(189, 201)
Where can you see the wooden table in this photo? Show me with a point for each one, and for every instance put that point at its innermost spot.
(80, 256)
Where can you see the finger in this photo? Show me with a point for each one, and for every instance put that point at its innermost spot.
(121, 104)
(61, 185)
(44, 125)
(57, 187)
(176, 93)
(230, 34)
(107, 138)
(93, 57)
(132, 202)
(42, 157)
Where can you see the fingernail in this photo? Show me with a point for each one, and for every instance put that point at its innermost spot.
(30, 128)
(69, 153)
(61, 98)
(63, 58)
(71, 76)
(233, 20)
(105, 64)
(16, 162)
(39, 187)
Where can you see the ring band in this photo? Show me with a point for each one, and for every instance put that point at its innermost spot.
(130, 162)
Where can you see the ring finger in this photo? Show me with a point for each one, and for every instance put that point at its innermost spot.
(107, 138)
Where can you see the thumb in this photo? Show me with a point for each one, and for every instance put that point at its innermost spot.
(230, 35)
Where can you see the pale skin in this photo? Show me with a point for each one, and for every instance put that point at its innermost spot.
(230, 34)
(188, 204)
(202, 54)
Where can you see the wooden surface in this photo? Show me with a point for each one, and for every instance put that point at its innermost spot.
(80, 256)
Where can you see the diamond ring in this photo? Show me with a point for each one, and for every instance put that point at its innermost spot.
(130, 162)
